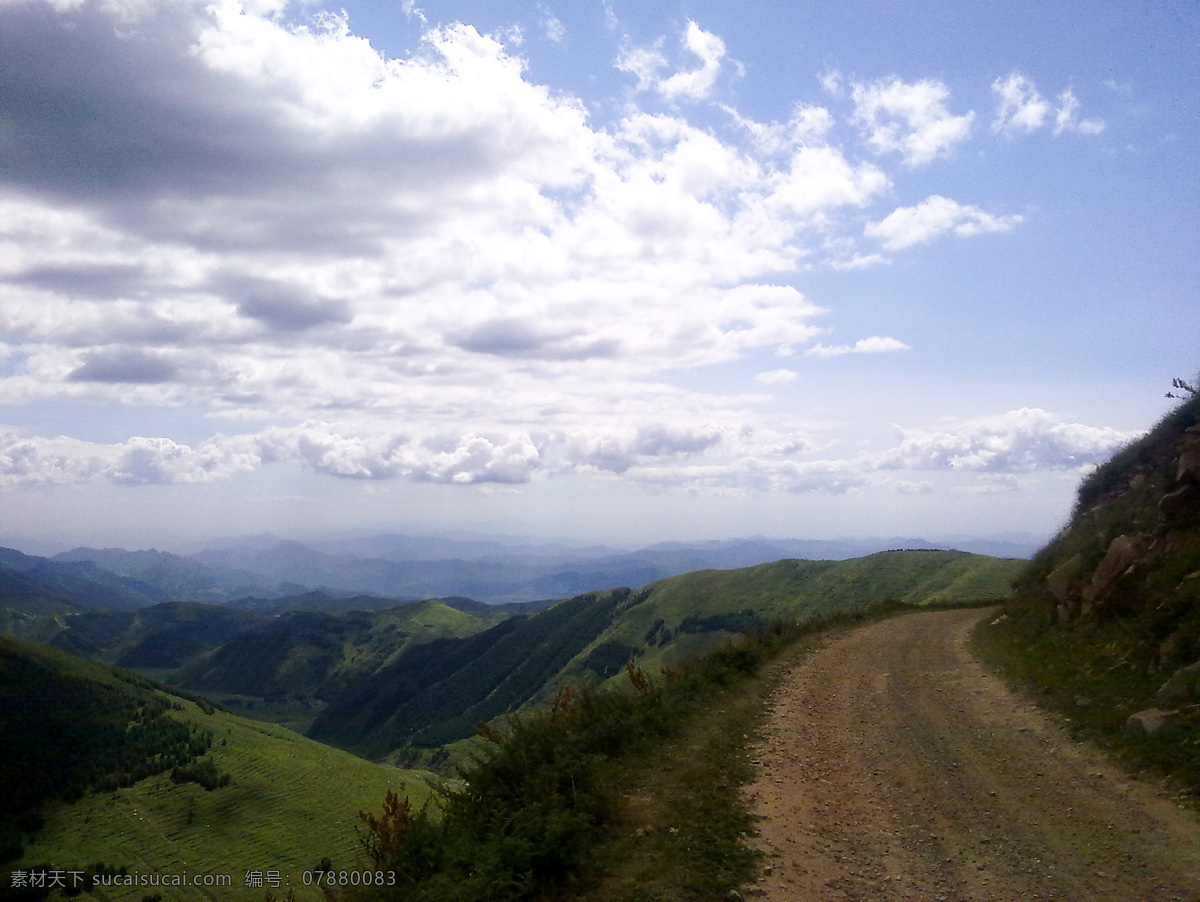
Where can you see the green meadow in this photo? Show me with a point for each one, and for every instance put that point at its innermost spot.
(291, 802)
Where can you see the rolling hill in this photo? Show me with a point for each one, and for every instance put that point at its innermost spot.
(66, 731)
(312, 655)
(434, 693)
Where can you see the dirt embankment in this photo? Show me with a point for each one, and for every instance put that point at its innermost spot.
(894, 767)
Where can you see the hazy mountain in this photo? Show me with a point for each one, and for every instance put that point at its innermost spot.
(392, 566)
(181, 578)
(79, 582)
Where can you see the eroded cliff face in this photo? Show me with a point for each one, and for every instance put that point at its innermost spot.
(1131, 553)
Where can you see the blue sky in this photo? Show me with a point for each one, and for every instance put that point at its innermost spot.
(613, 271)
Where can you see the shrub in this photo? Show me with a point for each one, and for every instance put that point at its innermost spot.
(203, 772)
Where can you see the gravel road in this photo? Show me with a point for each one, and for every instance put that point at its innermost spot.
(893, 766)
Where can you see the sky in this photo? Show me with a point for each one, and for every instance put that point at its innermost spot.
(603, 271)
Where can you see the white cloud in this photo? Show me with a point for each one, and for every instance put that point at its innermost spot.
(696, 83)
(553, 27)
(26, 460)
(909, 119)
(644, 62)
(1019, 441)
(1021, 108)
(777, 377)
(687, 84)
(273, 223)
(934, 216)
(874, 345)
(1066, 119)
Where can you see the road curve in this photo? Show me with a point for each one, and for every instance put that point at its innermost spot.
(893, 766)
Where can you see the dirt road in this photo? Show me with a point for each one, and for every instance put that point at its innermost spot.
(894, 767)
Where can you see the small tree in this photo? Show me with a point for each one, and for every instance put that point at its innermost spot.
(1182, 386)
(386, 833)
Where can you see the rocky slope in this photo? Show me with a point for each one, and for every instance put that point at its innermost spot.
(1126, 569)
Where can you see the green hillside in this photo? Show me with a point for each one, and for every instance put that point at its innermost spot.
(433, 694)
(30, 611)
(310, 655)
(684, 615)
(162, 637)
(288, 802)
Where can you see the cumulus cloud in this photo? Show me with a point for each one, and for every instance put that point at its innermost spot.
(26, 460)
(1022, 109)
(777, 377)
(688, 84)
(935, 216)
(618, 452)
(1019, 441)
(876, 344)
(249, 211)
(723, 458)
(910, 119)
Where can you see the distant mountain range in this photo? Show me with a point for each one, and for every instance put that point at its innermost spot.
(400, 567)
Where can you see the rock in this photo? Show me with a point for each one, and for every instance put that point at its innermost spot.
(1151, 720)
(1123, 552)
(1183, 686)
(1180, 508)
(1064, 578)
(1069, 610)
(1189, 466)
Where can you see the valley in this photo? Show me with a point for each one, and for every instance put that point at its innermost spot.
(588, 747)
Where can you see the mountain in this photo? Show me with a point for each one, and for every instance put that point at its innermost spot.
(30, 611)
(434, 693)
(102, 766)
(162, 637)
(426, 567)
(311, 655)
(79, 583)
(683, 615)
(179, 578)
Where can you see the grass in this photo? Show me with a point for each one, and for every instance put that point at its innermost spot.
(290, 803)
(1095, 676)
(679, 832)
(625, 794)
(802, 592)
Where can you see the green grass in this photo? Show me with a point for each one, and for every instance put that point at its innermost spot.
(1095, 675)
(679, 832)
(795, 592)
(290, 803)
(623, 794)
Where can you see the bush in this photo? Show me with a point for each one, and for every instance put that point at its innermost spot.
(203, 772)
(532, 807)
